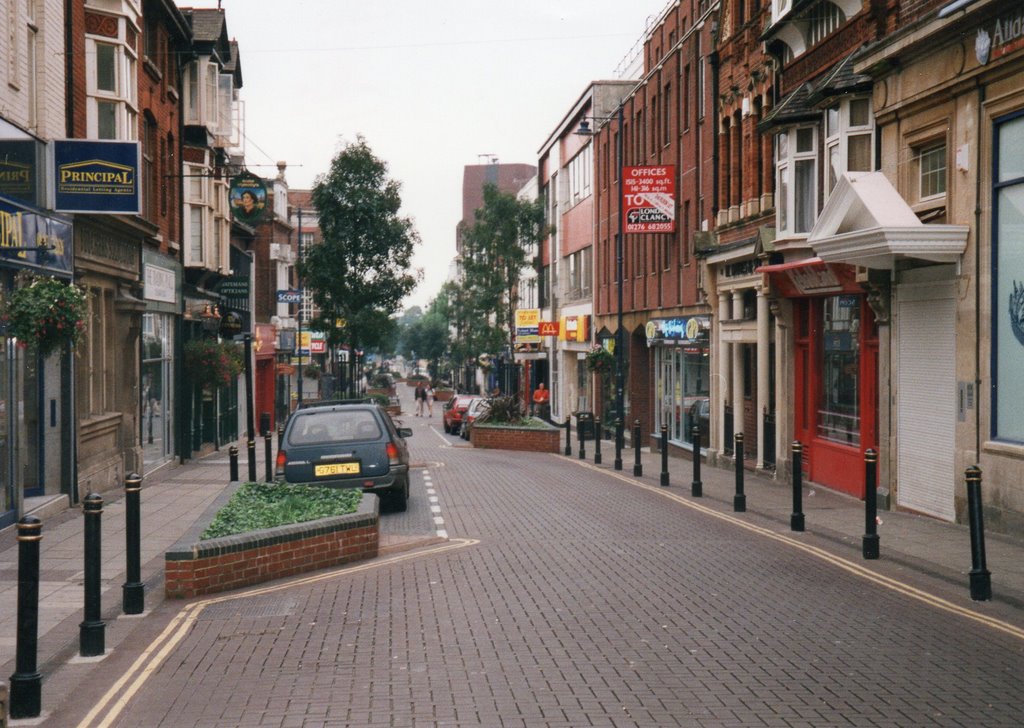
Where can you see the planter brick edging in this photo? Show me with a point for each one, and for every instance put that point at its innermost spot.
(504, 437)
(193, 567)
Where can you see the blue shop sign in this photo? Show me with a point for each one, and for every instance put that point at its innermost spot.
(96, 176)
(684, 330)
(34, 239)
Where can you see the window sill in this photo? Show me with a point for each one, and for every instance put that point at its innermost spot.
(1005, 449)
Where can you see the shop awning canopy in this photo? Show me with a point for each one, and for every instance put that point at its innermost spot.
(811, 277)
(867, 223)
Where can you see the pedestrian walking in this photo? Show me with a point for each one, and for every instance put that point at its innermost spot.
(420, 397)
(428, 397)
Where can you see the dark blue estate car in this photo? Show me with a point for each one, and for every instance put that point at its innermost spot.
(345, 445)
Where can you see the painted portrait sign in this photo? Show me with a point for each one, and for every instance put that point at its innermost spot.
(248, 198)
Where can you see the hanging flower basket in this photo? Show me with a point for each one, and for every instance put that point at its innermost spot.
(600, 360)
(212, 363)
(44, 314)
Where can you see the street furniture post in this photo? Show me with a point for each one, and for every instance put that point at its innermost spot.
(597, 441)
(91, 632)
(132, 592)
(233, 463)
(638, 467)
(26, 682)
(664, 454)
(981, 579)
(696, 487)
(796, 519)
(869, 545)
(739, 501)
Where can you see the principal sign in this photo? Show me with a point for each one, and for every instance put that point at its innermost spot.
(649, 199)
(96, 176)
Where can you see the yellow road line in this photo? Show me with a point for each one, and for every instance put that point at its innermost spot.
(849, 566)
(158, 650)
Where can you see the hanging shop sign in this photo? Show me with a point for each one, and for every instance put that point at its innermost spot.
(289, 296)
(684, 330)
(248, 198)
(649, 199)
(33, 239)
(527, 325)
(96, 176)
(549, 328)
(811, 277)
(230, 325)
(234, 287)
(19, 170)
(575, 328)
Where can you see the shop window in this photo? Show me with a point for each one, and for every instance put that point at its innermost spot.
(1008, 277)
(839, 409)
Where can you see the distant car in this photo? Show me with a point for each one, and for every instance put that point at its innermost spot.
(476, 408)
(347, 445)
(454, 408)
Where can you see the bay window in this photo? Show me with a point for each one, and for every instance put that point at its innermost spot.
(849, 139)
(796, 169)
(112, 85)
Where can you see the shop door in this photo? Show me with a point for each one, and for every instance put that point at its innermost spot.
(926, 386)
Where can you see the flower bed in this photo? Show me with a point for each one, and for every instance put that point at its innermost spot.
(510, 437)
(194, 567)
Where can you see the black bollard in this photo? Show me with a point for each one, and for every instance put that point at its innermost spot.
(981, 579)
(739, 501)
(664, 454)
(568, 434)
(269, 456)
(26, 682)
(696, 487)
(619, 438)
(597, 441)
(581, 435)
(638, 467)
(233, 460)
(796, 519)
(869, 545)
(91, 631)
(251, 445)
(132, 599)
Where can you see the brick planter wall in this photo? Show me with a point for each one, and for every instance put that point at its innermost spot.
(194, 567)
(501, 437)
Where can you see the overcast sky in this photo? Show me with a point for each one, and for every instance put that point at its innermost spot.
(432, 86)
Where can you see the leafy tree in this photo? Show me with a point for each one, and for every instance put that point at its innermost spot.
(495, 249)
(363, 268)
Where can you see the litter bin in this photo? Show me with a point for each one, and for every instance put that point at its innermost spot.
(585, 425)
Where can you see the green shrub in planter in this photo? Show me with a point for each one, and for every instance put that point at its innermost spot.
(255, 506)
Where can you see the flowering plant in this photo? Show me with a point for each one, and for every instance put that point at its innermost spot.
(600, 360)
(212, 363)
(45, 313)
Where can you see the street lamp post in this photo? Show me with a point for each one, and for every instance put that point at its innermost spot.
(620, 408)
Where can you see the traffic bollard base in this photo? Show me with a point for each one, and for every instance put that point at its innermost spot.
(664, 478)
(638, 470)
(91, 639)
(981, 585)
(739, 503)
(26, 695)
(697, 489)
(133, 600)
(869, 546)
(796, 522)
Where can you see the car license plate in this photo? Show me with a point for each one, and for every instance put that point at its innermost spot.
(336, 469)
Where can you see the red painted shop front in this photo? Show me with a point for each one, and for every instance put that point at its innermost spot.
(835, 371)
(264, 347)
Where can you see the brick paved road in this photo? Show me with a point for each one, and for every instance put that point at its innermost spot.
(586, 602)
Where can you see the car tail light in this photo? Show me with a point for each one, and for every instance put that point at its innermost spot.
(282, 459)
(392, 449)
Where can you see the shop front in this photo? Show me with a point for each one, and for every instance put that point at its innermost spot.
(162, 277)
(682, 376)
(36, 424)
(835, 367)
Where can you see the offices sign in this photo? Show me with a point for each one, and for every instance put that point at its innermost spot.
(649, 199)
(96, 176)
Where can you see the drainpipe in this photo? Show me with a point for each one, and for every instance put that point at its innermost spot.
(977, 278)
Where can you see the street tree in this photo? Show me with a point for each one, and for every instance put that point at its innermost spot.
(362, 270)
(495, 250)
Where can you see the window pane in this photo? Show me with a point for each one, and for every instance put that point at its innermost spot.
(805, 207)
(196, 233)
(106, 119)
(858, 153)
(933, 171)
(1009, 313)
(782, 147)
(804, 140)
(834, 166)
(860, 112)
(783, 203)
(1011, 142)
(106, 70)
(839, 413)
(832, 121)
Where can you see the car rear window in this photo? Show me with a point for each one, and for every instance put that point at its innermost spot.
(322, 427)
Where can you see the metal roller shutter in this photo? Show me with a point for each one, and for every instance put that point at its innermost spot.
(926, 398)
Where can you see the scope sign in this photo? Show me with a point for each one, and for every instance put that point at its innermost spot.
(289, 297)
(649, 199)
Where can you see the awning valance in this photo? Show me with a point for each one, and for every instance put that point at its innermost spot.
(811, 277)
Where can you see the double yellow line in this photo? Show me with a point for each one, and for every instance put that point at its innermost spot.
(114, 701)
(845, 564)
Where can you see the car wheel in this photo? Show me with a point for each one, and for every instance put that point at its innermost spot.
(398, 500)
(447, 429)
